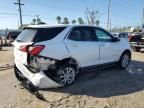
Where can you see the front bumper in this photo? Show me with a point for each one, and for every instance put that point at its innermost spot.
(39, 80)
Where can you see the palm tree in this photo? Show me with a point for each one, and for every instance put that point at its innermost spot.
(58, 19)
(74, 21)
(65, 20)
(80, 20)
(97, 22)
(38, 20)
(33, 21)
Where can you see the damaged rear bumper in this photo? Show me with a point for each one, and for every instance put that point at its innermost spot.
(39, 80)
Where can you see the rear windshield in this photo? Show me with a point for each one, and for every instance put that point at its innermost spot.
(27, 35)
(39, 34)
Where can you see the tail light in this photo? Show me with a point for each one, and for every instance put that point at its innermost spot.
(23, 48)
(129, 37)
(33, 50)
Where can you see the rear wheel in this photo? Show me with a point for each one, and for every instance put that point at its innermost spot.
(67, 74)
(125, 60)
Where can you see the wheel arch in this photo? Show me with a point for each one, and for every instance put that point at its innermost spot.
(71, 61)
(126, 50)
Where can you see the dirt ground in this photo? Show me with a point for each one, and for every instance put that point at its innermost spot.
(109, 88)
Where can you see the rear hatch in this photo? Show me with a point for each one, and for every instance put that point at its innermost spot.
(24, 39)
(25, 44)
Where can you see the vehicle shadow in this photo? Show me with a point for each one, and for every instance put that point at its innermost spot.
(108, 82)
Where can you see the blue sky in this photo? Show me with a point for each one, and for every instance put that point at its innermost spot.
(122, 12)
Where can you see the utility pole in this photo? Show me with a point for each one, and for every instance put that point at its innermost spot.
(108, 17)
(110, 25)
(20, 13)
(143, 18)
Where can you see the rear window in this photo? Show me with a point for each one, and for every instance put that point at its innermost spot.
(27, 35)
(39, 34)
(44, 34)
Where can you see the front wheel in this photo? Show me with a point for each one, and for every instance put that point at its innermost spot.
(124, 60)
(67, 74)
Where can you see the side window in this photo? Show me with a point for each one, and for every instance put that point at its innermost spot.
(45, 34)
(103, 35)
(82, 34)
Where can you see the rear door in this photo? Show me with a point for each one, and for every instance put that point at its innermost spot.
(109, 50)
(83, 46)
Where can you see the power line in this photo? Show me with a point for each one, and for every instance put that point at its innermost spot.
(20, 4)
(15, 14)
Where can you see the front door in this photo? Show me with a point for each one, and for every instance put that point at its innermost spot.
(109, 50)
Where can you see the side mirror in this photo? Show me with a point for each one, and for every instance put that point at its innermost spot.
(115, 39)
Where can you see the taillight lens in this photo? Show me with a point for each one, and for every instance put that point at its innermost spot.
(33, 50)
(23, 48)
(129, 37)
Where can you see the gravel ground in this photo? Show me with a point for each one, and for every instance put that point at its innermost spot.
(109, 88)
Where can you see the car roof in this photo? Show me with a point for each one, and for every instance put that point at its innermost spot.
(60, 25)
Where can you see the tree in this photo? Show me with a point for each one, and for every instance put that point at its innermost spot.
(92, 16)
(33, 21)
(58, 19)
(80, 20)
(38, 20)
(74, 21)
(65, 20)
(97, 22)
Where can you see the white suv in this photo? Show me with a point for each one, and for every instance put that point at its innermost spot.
(51, 56)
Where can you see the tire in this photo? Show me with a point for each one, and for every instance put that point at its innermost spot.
(66, 74)
(124, 60)
(136, 49)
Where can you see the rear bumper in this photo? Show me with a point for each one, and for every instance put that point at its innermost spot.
(39, 80)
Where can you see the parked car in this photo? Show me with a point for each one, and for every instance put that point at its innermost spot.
(13, 35)
(52, 56)
(121, 35)
(137, 41)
